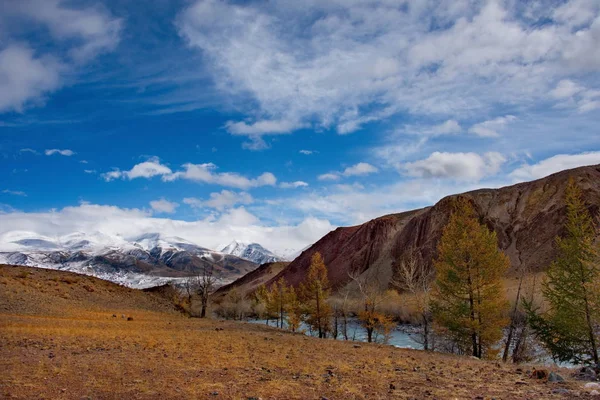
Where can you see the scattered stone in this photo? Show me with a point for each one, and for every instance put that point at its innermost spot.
(114, 316)
(520, 383)
(392, 386)
(357, 346)
(585, 374)
(554, 377)
(592, 386)
(595, 393)
(560, 391)
(214, 393)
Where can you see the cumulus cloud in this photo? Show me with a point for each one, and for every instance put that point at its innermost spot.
(491, 128)
(554, 164)
(146, 169)
(362, 61)
(220, 200)
(457, 166)
(163, 206)
(65, 152)
(359, 169)
(130, 223)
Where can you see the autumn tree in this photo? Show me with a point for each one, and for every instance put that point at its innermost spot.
(261, 300)
(314, 293)
(468, 301)
(414, 277)
(371, 294)
(572, 289)
(293, 309)
(277, 300)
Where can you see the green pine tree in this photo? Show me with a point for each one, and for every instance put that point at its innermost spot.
(571, 289)
(468, 301)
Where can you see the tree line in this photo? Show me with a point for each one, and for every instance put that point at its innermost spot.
(460, 304)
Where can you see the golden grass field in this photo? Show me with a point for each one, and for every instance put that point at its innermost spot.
(59, 340)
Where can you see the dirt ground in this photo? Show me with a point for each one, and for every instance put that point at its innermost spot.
(64, 336)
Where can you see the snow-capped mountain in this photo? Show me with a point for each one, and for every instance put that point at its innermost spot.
(251, 251)
(144, 261)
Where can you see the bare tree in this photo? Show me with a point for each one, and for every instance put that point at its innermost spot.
(414, 276)
(204, 284)
(372, 294)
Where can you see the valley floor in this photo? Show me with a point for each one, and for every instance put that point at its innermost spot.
(57, 342)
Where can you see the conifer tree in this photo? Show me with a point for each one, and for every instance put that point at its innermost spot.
(277, 300)
(468, 301)
(314, 292)
(569, 327)
(293, 309)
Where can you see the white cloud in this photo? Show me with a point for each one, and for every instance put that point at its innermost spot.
(491, 127)
(146, 169)
(360, 169)
(458, 166)
(15, 192)
(32, 151)
(25, 77)
(331, 176)
(65, 152)
(293, 185)
(28, 75)
(90, 171)
(205, 173)
(221, 200)
(554, 164)
(448, 127)
(359, 62)
(163, 206)
(130, 223)
(92, 29)
(306, 152)
(565, 89)
(260, 128)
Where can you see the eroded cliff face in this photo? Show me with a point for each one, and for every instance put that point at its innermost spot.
(526, 218)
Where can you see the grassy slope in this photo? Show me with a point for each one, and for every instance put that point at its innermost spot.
(59, 340)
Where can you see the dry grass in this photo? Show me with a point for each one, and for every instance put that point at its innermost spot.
(79, 350)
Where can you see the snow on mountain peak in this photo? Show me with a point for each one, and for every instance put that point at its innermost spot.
(250, 251)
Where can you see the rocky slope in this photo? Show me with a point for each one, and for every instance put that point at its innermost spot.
(251, 251)
(526, 217)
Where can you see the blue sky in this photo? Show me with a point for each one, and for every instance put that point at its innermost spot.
(278, 121)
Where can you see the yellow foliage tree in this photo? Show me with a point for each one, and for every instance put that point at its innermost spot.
(314, 293)
(469, 303)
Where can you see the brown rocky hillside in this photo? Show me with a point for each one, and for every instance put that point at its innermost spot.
(526, 217)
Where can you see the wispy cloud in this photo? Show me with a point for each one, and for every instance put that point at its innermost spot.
(65, 152)
(15, 192)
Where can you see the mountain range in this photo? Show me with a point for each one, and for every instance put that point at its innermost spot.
(143, 261)
(526, 217)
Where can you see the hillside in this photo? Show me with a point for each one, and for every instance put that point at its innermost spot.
(252, 279)
(526, 217)
(63, 337)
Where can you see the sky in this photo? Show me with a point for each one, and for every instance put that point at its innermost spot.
(277, 122)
